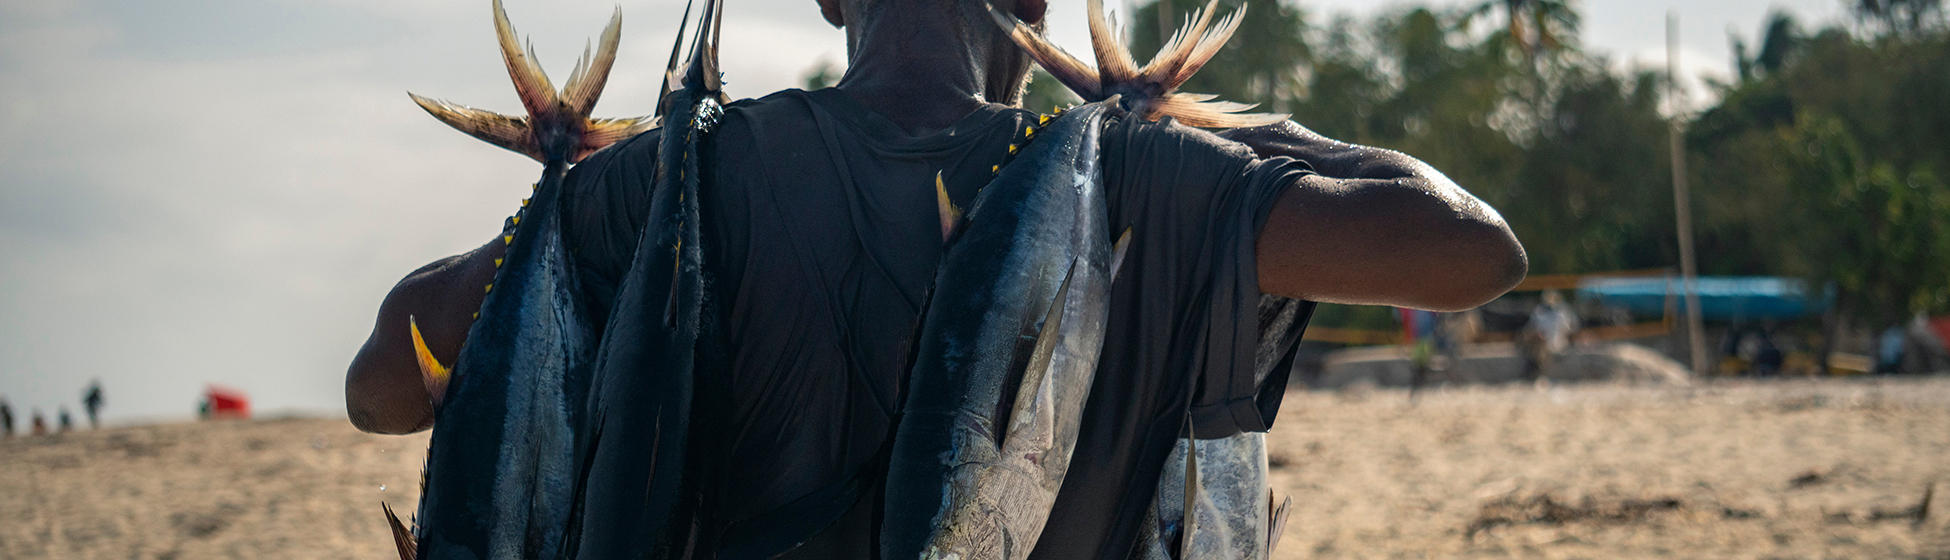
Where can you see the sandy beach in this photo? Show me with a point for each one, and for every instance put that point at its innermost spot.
(1732, 469)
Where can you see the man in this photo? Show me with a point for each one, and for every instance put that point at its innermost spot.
(6, 420)
(821, 238)
(92, 400)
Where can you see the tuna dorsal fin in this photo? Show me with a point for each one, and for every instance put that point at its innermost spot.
(1036, 374)
(1117, 251)
(558, 126)
(435, 375)
(409, 549)
(1276, 521)
(1151, 91)
(950, 215)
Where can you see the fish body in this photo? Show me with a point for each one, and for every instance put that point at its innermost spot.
(637, 499)
(1234, 514)
(500, 469)
(503, 469)
(1008, 348)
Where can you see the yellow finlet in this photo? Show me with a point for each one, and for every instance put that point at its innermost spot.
(508, 239)
(950, 215)
(431, 372)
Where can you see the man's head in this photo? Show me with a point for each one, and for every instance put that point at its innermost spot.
(970, 32)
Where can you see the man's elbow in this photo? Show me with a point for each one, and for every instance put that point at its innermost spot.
(1489, 262)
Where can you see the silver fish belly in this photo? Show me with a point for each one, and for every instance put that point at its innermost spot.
(1021, 298)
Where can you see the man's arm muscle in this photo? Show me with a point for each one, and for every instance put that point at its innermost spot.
(383, 389)
(1378, 227)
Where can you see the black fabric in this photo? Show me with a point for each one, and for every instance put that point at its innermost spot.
(822, 238)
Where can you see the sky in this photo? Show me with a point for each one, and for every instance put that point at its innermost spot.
(221, 191)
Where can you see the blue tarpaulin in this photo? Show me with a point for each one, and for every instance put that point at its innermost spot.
(1720, 297)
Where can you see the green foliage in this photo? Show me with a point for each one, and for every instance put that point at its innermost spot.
(1046, 94)
(823, 75)
(1825, 157)
(1884, 228)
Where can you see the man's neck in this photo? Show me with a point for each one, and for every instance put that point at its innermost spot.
(913, 63)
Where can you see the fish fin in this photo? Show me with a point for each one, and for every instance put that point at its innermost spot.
(435, 375)
(587, 81)
(672, 77)
(1276, 523)
(1037, 371)
(1066, 68)
(501, 130)
(570, 134)
(1117, 254)
(950, 215)
(409, 549)
(601, 133)
(1208, 44)
(1191, 111)
(1114, 63)
(1189, 526)
(531, 83)
(1178, 49)
(703, 71)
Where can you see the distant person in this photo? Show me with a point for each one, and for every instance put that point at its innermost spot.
(67, 422)
(1768, 359)
(1420, 328)
(1548, 334)
(6, 420)
(1453, 332)
(40, 424)
(93, 400)
(1889, 350)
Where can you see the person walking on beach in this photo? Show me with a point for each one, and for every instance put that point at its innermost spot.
(6, 420)
(40, 424)
(93, 400)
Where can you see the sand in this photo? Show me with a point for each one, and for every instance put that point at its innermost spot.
(1784, 469)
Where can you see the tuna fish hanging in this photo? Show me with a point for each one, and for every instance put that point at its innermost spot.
(500, 474)
(973, 476)
(1190, 519)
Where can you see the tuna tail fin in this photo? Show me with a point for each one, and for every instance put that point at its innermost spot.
(558, 126)
(1151, 91)
(435, 375)
(671, 75)
(702, 71)
(409, 548)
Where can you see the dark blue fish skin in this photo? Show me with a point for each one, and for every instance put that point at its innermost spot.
(500, 472)
(636, 501)
(1040, 222)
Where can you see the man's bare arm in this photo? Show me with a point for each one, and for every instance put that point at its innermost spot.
(1378, 227)
(383, 389)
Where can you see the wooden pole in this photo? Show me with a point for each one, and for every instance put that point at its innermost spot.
(1682, 203)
